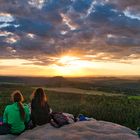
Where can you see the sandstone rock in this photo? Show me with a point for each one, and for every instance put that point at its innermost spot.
(84, 130)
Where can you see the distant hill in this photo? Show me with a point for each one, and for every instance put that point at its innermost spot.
(107, 84)
(33, 80)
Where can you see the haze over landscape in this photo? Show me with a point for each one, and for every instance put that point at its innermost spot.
(69, 37)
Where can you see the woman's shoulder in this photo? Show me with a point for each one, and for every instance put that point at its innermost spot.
(8, 106)
(47, 106)
(32, 101)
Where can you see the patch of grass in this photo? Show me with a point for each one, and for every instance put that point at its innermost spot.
(134, 97)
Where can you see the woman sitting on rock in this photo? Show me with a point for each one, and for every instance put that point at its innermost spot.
(40, 110)
(16, 114)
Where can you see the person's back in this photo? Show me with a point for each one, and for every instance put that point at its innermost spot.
(40, 115)
(12, 116)
(40, 110)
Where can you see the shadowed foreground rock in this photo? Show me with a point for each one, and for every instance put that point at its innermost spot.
(86, 130)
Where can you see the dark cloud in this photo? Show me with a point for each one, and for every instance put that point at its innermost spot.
(123, 41)
(53, 27)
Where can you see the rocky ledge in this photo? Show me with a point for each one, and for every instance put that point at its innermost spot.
(84, 130)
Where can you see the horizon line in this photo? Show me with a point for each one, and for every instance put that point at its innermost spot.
(42, 76)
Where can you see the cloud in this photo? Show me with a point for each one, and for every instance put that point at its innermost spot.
(36, 3)
(36, 30)
(132, 13)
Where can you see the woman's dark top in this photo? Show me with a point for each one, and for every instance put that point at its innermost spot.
(40, 115)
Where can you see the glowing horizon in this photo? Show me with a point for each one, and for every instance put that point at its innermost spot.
(70, 38)
(69, 66)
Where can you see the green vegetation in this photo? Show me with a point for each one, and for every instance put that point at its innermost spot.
(134, 97)
(123, 110)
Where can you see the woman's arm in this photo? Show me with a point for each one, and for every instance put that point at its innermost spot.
(5, 117)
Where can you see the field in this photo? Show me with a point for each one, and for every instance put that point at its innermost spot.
(109, 105)
(81, 91)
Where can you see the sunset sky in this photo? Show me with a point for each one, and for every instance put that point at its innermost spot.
(70, 37)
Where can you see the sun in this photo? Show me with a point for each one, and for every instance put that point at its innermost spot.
(69, 65)
(67, 60)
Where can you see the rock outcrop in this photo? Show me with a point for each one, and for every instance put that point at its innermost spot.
(84, 130)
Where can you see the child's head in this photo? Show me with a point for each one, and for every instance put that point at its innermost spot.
(16, 96)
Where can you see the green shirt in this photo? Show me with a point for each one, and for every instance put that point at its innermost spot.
(12, 116)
